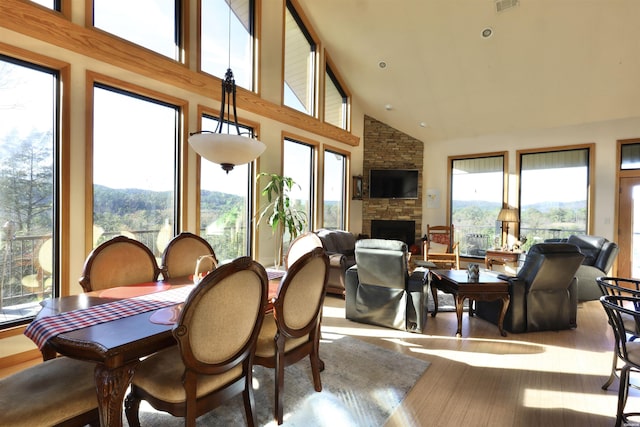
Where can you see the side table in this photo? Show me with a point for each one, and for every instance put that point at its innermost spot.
(501, 258)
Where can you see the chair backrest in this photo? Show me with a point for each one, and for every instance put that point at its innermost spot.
(550, 266)
(299, 301)
(619, 308)
(598, 251)
(440, 238)
(618, 286)
(382, 262)
(118, 262)
(220, 321)
(181, 255)
(301, 245)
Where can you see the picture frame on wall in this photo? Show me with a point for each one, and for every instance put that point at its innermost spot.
(357, 188)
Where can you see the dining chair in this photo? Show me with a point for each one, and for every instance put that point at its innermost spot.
(119, 261)
(216, 334)
(57, 392)
(180, 256)
(618, 308)
(302, 244)
(619, 286)
(292, 330)
(439, 248)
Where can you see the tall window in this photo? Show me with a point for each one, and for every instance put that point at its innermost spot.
(554, 194)
(29, 137)
(135, 141)
(299, 164)
(225, 203)
(334, 203)
(335, 101)
(227, 29)
(51, 4)
(477, 194)
(299, 64)
(154, 24)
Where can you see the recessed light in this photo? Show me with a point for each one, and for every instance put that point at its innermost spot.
(382, 64)
(423, 125)
(388, 107)
(486, 33)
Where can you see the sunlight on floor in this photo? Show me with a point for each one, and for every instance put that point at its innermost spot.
(598, 403)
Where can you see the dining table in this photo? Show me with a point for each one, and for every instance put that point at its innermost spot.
(114, 328)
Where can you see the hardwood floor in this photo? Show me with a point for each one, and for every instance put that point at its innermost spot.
(483, 379)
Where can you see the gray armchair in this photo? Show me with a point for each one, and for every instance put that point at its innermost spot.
(379, 289)
(543, 296)
(599, 255)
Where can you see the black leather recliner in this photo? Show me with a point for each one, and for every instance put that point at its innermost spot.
(599, 255)
(543, 296)
(379, 289)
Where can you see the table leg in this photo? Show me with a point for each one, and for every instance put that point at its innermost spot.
(111, 386)
(505, 306)
(434, 294)
(459, 309)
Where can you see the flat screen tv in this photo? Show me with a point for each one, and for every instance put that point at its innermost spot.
(393, 184)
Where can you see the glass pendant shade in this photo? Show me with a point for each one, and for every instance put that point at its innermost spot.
(226, 149)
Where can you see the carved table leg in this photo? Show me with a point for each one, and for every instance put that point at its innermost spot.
(459, 306)
(111, 385)
(434, 294)
(505, 305)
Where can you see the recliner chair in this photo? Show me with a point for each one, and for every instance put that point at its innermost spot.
(599, 254)
(543, 296)
(379, 289)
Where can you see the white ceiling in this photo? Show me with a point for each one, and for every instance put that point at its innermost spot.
(549, 63)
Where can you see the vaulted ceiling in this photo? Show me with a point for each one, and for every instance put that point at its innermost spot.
(548, 63)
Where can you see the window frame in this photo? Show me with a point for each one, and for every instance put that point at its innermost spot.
(505, 187)
(345, 184)
(590, 191)
(336, 80)
(180, 172)
(313, 173)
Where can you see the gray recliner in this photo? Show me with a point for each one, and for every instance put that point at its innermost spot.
(379, 289)
(544, 294)
(599, 255)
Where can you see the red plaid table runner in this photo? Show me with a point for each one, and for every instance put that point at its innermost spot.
(44, 328)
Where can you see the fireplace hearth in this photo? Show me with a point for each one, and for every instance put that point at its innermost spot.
(404, 231)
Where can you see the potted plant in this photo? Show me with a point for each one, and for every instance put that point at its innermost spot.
(279, 212)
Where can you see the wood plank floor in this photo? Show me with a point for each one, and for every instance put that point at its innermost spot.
(483, 379)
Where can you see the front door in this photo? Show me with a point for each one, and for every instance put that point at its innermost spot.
(629, 228)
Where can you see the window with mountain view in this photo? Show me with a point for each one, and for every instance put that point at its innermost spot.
(299, 64)
(29, 140)
(477, 195)
(135, 140)
(554, 193)
(225, 202)
(334, 190)
(227, 39)
(153, 24)
(298, 163)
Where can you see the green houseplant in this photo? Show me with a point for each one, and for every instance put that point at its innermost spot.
(279, 212)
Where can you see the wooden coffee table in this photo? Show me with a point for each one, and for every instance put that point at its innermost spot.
(487, 288)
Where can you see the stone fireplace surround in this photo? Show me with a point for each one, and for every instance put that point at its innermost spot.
(387, 148)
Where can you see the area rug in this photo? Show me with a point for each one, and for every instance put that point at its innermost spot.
(362, 385)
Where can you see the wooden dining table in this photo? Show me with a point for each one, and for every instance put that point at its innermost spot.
(117, 345)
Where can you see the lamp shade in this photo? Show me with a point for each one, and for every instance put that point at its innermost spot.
(508, 215)
(226, 149)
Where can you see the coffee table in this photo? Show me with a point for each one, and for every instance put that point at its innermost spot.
(488, 287)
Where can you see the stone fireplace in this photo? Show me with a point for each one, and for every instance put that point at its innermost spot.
(405, 231)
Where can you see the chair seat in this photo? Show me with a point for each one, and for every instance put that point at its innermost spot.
(161, 376)
(265, 347)
(49, 393)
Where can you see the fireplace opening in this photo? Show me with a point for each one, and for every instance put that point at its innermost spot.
(405, 231)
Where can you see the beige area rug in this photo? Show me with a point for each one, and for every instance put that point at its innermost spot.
(362, 386)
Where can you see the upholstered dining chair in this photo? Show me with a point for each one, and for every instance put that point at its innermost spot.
(292, 330)
(216, 333)
(58, 392)
(180, 256)
(302, 244)
(119, 261)
(618, 286)
(619, 308)
(439, 247)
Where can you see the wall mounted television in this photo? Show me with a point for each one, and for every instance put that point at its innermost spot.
(393, 184)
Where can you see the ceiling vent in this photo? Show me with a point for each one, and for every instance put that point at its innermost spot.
(502, 5)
